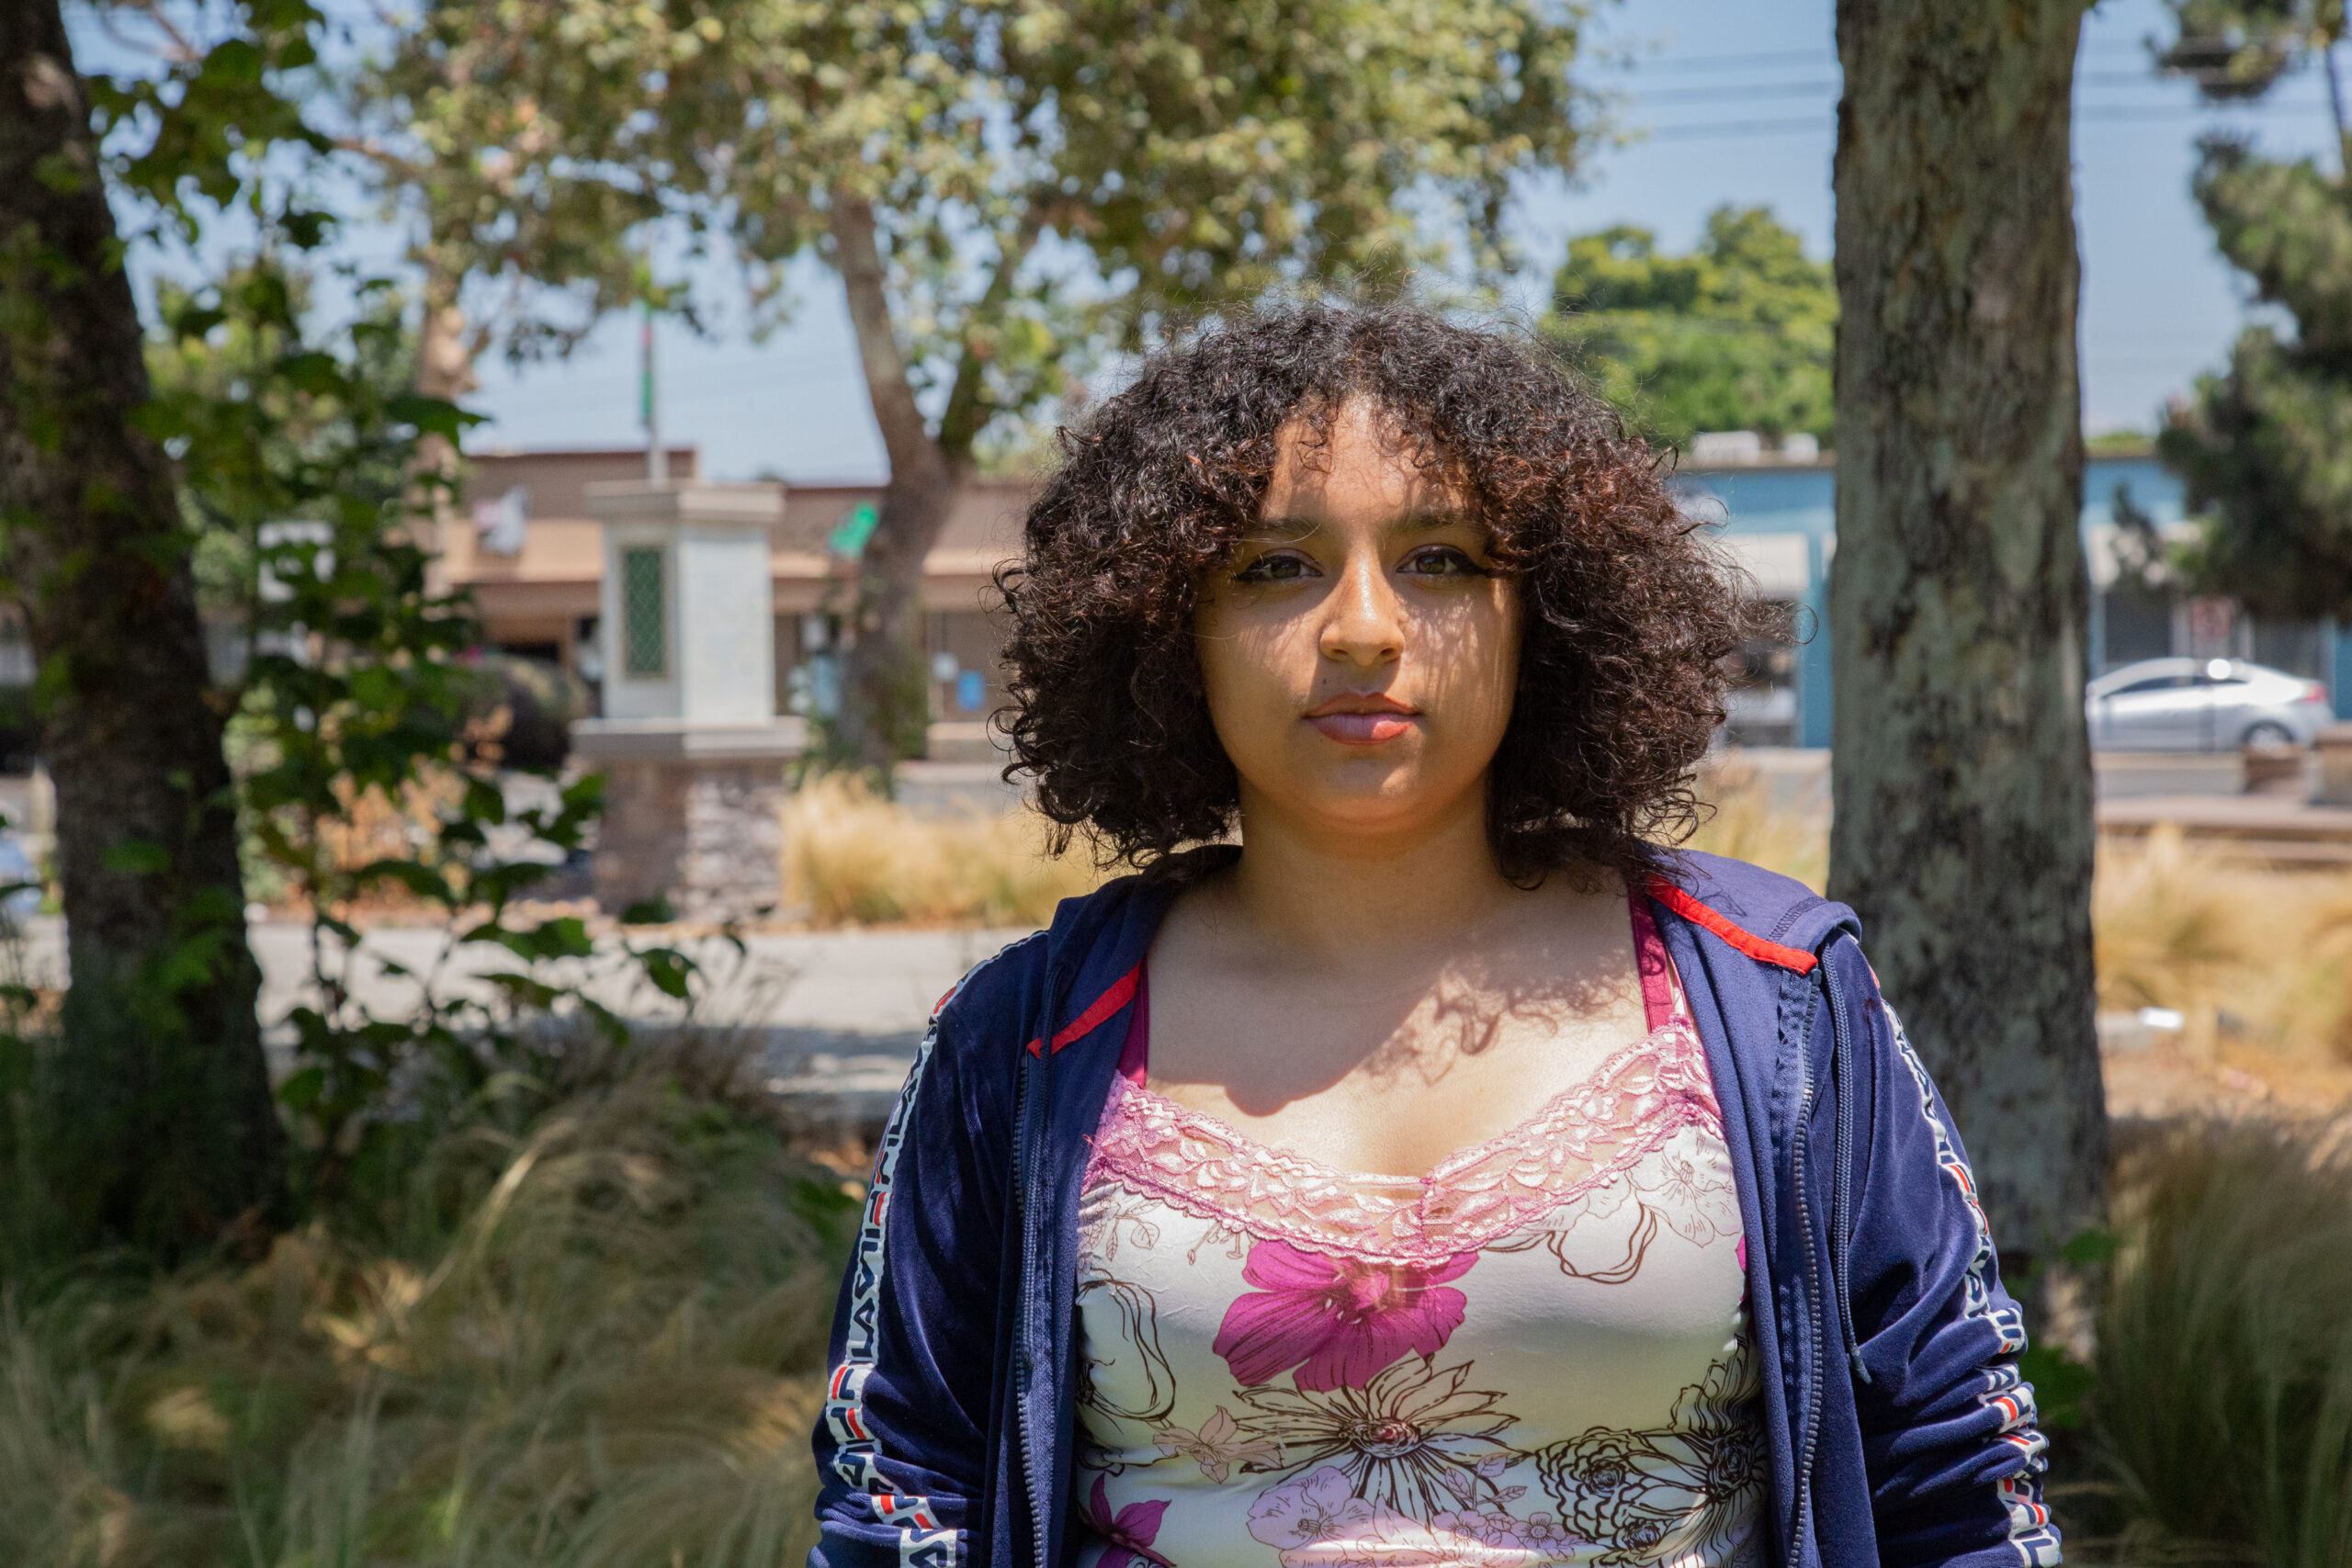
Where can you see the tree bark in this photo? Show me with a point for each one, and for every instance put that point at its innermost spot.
(447, 348)
(161, 1130)
(887, 708)
(1959, 599)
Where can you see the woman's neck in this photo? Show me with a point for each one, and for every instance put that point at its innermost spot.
(1341, 897)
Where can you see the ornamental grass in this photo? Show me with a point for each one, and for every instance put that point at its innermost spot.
(851, 857)
(2220, 1418)
(588, 1334)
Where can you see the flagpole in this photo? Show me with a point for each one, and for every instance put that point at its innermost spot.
(657, 461)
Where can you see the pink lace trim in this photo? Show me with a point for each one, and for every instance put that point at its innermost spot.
(1580, 1139)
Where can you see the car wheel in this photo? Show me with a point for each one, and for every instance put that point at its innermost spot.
(2267, 733)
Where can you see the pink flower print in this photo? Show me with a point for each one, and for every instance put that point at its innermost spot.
(1338, 1320)
(1130, 1531)
(1315, 1510)
(1218, 1445)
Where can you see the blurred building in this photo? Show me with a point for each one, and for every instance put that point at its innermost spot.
(1778, 519)
(525, 546)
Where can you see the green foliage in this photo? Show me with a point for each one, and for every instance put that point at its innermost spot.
(2239, 49)
(1737, 335)
(2223, 1402)
(1176, 158)
(524, 236)
(300, 453)
(2264, 447)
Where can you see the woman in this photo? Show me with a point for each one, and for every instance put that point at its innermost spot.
(1446, 1173)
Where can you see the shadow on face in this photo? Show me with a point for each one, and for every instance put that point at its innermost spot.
(1359, 649)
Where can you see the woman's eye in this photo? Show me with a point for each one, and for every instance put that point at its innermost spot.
(1283, 568)
(1440, 560)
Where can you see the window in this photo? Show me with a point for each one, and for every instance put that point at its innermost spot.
(645, 613)
(2154, 683)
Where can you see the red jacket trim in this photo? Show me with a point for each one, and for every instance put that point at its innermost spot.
(1096, 1015)
(1747, 942)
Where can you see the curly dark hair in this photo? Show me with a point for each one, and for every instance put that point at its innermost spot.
(1629, 616)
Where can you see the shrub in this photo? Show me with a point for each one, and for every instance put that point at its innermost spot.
(2223, 1404)
(853, 858)
(596, 1340)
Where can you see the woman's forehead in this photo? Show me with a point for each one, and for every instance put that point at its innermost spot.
(1357, 455)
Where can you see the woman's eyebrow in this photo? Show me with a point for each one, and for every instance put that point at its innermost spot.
(1280, 530)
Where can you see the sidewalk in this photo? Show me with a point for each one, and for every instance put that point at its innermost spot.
(837, 1015)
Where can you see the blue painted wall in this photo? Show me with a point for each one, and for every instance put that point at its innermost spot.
(1804, 501)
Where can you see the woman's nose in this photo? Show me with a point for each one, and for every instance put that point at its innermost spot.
(1361, 621)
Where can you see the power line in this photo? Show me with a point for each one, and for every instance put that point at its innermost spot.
(1737, 91)
(1740, 128)
(2188, 114)
(1731, 61)
(1820, 55)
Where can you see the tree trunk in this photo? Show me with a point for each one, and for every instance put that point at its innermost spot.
(162, 1130)
(445, 369)
(885, 707)
(1962, 776)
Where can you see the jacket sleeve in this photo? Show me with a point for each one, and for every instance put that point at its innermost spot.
(1953, 1455)
(902, 1443)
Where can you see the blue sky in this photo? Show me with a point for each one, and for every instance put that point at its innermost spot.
(1738, 97)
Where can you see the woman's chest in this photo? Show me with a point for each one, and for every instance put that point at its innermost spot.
(1535, 1355)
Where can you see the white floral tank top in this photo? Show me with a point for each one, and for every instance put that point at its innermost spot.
(1536, 1354)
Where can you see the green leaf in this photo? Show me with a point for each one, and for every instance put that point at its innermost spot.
(300, 1091)
(432, 416)
(312, 372)
(196, 321)
(136, 857)
(2091, 1247)
(670, 971)
(306, 231)
(422, 880)
(483, 802)
(2061, 1384)
(654, 911)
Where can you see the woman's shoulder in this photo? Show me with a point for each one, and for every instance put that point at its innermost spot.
(1771, 916)
(1005, 997)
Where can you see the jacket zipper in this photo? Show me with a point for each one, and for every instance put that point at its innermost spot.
(1032, 1467)
(1025, 1362)
(1797, 1146)
(1842, 1195)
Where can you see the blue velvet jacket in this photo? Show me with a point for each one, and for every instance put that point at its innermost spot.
(1898, 1429)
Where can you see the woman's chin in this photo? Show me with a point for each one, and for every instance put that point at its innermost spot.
(1375, 802)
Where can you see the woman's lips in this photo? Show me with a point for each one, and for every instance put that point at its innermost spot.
(1361, 718)
(1361, 728)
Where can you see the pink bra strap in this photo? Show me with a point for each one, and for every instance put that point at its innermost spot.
(1651, 962)
(1135, 1057)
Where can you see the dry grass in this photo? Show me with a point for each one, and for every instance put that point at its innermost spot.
(1744, 822)
(609, 1359)
(2259, 962)
(853, 858)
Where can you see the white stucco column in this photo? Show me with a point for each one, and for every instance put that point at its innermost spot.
(689, 741)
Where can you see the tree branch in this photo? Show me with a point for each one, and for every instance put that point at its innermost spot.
(960, 424)
(858, 255)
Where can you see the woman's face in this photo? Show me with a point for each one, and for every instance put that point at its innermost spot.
(1360, 651)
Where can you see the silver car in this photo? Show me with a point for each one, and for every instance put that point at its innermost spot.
(2202, 705)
